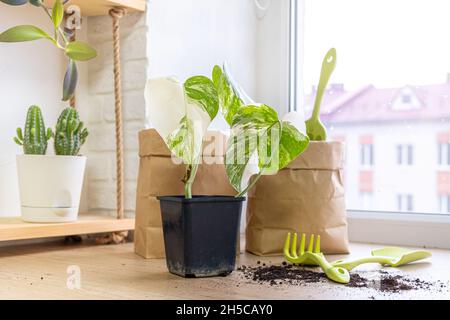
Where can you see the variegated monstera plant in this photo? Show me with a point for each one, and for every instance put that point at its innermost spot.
(260, 143)
(74, 50)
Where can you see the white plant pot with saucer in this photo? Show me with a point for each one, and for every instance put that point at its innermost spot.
(50, 187)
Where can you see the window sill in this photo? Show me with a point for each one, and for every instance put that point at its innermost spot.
(407, 229)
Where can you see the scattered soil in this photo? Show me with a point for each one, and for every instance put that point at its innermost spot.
(289, 274)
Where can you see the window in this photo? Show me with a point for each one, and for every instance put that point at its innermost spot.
(405, 202)
(406, 98)
(393, 97)
(405, 154)
(444, 154)
(366, 200)
(395, 90)
(444, 204)
(366, 155)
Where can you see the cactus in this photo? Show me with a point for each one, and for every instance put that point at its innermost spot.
(35, 137)
(69, 133)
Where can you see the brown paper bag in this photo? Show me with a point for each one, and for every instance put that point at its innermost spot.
(159, 175)
(307, 196)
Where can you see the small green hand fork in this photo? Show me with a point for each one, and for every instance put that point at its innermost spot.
(310, 257)
(314, 127)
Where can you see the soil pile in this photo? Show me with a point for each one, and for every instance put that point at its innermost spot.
(289, 274)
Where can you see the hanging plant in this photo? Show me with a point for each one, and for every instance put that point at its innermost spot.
(73, 50)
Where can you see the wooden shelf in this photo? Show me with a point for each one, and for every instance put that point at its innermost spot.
(101, 7)
(16, 229)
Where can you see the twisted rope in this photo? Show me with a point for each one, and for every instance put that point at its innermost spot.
(117, 237)
(117, 14)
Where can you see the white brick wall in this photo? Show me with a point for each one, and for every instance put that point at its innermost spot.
(101, 174)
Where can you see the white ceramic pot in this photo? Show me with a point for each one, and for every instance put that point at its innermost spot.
(50, 187)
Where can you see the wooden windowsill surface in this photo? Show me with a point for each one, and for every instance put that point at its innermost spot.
(115, 272)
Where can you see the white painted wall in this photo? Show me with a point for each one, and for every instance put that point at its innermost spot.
(189, 37)
(30, 73)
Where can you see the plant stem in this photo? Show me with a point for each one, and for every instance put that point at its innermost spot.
(243, 192)
(192, 171)
(56, 29)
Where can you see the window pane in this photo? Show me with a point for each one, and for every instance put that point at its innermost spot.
(448, 154)
(410, 154)
(391, 83)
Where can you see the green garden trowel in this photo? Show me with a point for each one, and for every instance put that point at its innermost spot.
(390, 256)
(315, 129)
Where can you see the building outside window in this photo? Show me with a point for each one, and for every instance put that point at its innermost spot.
(405, 202)
(390, 98)
(366, 154)
(405, 154)
(444, 153)
(444, 204)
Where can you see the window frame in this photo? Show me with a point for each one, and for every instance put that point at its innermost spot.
(381, 227)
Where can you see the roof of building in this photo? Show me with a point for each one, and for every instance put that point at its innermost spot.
(371, 104)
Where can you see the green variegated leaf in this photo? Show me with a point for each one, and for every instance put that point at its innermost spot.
(292, 144)
(24, 33)
(251, 126)
(242, 146)
(231, 96)
(181, 114)
(181, 141)
(257, 132)
(201, 90)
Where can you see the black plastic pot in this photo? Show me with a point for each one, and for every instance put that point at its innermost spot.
(200, 234)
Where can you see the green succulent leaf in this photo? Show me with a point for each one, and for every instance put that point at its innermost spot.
(24, 33)
(70, 81)
(57, 13)
(201, 90)
(49, 134)
(80, 51)
(15, 2)
(19, 133)
(19, 142)
(258, 132)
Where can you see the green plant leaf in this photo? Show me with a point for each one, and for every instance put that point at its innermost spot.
(292, 143)
(80, 51)
(70, 81)
(181, 113)
(181, 140)
(201, 90)
(24, 33)
(251, 125)
(36, 3)
(57, 13)
(15, 2)
(231, 95)
(258, 133)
